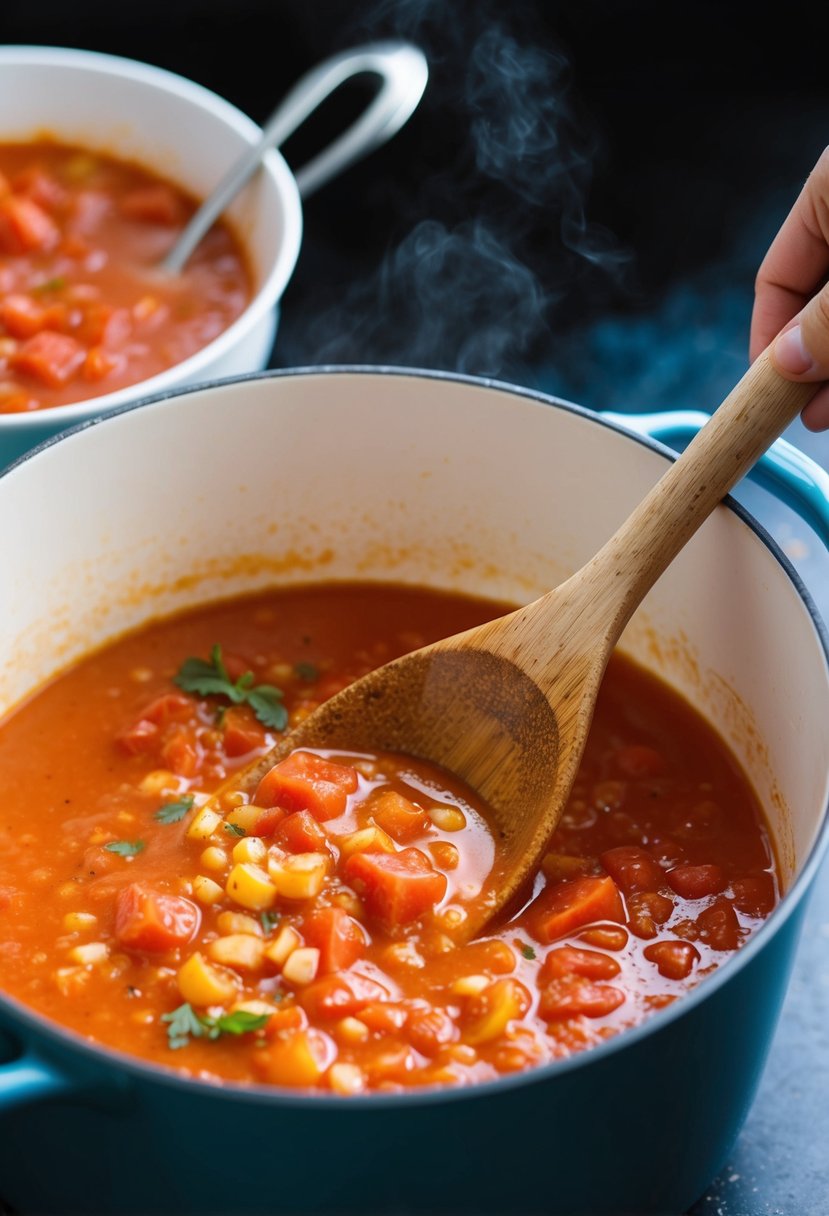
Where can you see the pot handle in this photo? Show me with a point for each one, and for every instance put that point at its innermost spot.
(793, 476)
(32, 1078)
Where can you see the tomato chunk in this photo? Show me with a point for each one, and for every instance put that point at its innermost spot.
(299, 832)
(307, 782)
(398, 816)
(154, 921)
(24, 226)
(397, 887)
(569, 960)
(241, 732)
(637, 760)
(633, 869)
(573, 996)
(718, 925)
(338, 937)
(156, 204)
(571, 905)
(674, 960)
(695, 882)
(50, 357)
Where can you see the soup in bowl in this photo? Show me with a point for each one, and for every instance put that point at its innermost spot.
(294, 962)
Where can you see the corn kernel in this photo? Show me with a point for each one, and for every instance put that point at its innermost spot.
(299, 876)
(238, 922)
(493, 1009)
(203, 825)
(351, 1030)
(302, 965)
(470, 985)
(403, 954)
(159, 781)
(244, 817)
(349, 902)
(231, 799)
(447, 818)
(251, 887)
(367, 840)
(453, 918)
(88, 955)
(200, 983)
(70, 980)
(206, 891)
(68, 890)
(142, 1017)
(445, 855)
(286, 941)
(237, 950)
(250, 849)
(214, 858)
(346, 1078)
(74, 922)
(141, 675)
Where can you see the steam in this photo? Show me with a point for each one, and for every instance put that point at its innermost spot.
(493, 240)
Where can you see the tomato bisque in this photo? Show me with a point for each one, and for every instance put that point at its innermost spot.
(310, 934)
(83, 308)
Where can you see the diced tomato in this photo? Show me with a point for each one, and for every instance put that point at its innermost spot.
(290, 1017)
(398, 816)
(154, 921)
(647, 910)
(102, 325)
(22, 316)
(142, 736)
(180, 752)
(339, 996)
(383, 1017)
(568, 960)
(295, 1058)
(299, 832)
(269, 820)
(306, 782)
(40, 187)
(397, 887)
(169, 707)
(718, 925)
(14, 400)
(25, 227)
(571, 905)
(754, 895)
(633, 869)
(241, 732)
(674, 960)
(429, 1029)
(99, 363)
(696, 882)
(50, 357)
(156, 204)
(573, 996)
(338, 937)
(639, 761)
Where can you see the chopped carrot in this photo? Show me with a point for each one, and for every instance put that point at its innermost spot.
(25, 227)
(99, 363)
(571, 905)
(398, 816)
(299, 832)
(397, 887)
(50, 357)
(337, 936)
(241, 732)
(307, 782)
(156, 204)
(153, 921)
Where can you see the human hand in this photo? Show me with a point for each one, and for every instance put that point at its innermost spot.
(791, 296)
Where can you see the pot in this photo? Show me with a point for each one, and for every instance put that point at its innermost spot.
(455, 483)
(190, 135)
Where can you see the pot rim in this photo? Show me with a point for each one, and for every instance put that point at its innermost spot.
(264, 298)
(660, 1019)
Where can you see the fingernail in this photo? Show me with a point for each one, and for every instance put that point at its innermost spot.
(791, 355)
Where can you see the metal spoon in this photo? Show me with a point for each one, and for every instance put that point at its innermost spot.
(507, 705)
(404, 73)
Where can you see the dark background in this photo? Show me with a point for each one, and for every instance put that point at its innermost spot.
(580, 204)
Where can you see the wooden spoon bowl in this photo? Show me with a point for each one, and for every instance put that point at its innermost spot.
(506, 706)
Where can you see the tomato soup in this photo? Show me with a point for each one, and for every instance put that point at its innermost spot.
(310, 935)
(83, 309)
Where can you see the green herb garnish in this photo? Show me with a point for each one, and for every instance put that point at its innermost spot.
(125, 848)
(56, 284)
(173, 812)
(210, 679)
(235, 829)
(184, 1023)
(306, 671)
(269, 920)
(527, 951)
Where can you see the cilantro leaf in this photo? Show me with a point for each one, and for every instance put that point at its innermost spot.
(527, 951)
(306, 671)
(56, 284)
(125, 848)
(236, 829)
(181, 1024)
(240, 1022)
(184, 1023)
(269, 920)
(209, 678)
(173, 812)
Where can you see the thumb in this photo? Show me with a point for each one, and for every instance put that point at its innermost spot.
(801, 351)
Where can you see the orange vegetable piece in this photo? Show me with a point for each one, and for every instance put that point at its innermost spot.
(153, 921)
(50, 357)
(338, 937)
(571, 905)
(339, 996)
(573, 996)
(695, 882)
(156, 204)
(296, 1058)
(398, 816)
(22, 316)
(99, 363)
(637, 761)
(633, 869)
(674, 960)
(299, 832)
(24, 226)
(569, 960)
(307, 782)
(397, 887)
(241, 732)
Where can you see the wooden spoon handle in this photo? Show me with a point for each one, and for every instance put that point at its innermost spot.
(753, 415)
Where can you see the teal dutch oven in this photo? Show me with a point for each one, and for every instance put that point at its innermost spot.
(451, 482)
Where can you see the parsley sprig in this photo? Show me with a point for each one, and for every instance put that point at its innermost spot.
(184, 1024)
(174, 812)
(125, 848)
(210, 679)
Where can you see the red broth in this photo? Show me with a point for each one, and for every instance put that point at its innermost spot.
(309, 937)
(83, 311)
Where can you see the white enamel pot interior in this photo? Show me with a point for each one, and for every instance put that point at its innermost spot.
(457, 484)
(185, 133)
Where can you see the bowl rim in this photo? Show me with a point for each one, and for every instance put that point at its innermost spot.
(264, 298)
(147, 1071)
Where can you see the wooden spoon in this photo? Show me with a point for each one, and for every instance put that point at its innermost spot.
(507, 705)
